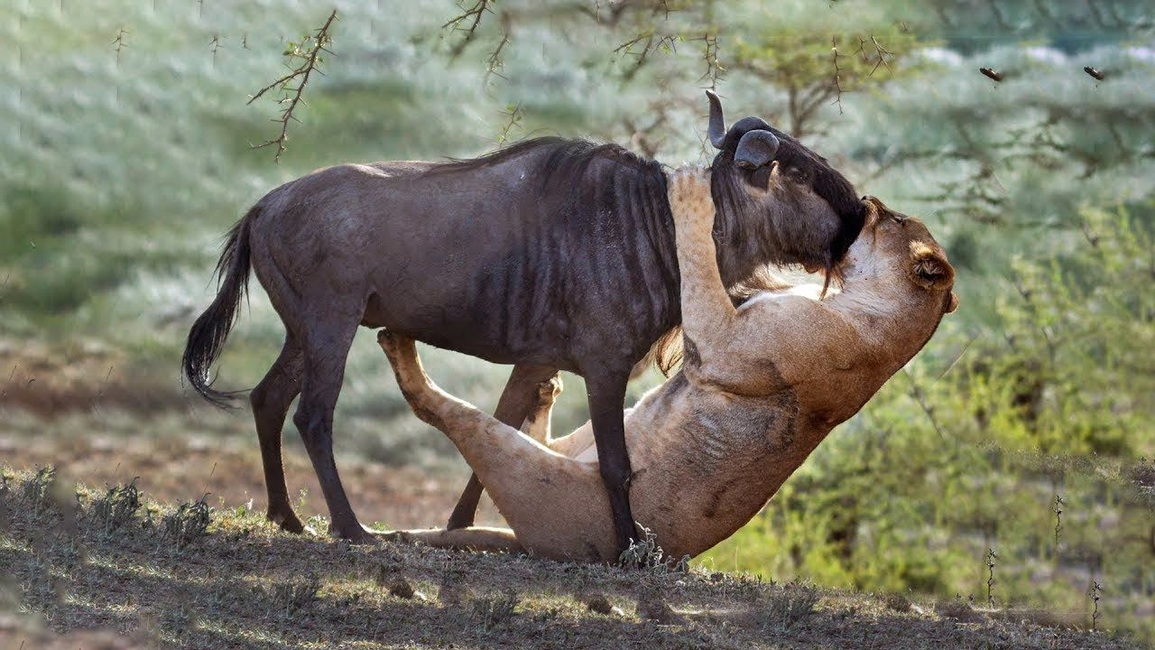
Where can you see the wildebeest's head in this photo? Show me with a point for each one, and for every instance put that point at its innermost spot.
(777, 200)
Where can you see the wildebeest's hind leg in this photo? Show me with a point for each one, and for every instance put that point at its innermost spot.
(606, 393)
(271, 399)
(326, 346)
(518, 400)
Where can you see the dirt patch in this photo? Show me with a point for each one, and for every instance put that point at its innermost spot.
(174, 470)
(78, 377)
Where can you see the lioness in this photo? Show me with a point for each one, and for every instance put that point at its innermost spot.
(762, 384)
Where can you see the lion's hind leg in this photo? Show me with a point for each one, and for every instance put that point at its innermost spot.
(477, 539)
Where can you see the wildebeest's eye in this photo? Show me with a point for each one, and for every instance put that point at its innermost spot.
(798, 175)
(760, 177)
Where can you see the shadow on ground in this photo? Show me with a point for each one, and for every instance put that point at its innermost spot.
(110, 569)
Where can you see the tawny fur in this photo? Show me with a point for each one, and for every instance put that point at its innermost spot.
(761, 386)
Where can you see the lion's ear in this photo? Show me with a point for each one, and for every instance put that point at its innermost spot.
(929, 267)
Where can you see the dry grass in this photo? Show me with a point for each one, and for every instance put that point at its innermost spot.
(75, 579)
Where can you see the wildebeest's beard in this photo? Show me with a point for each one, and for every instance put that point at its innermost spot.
(752, 230)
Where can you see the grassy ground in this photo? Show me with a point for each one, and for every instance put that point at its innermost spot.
(111, 568)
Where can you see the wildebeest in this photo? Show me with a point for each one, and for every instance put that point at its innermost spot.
(768, 381)
(550, 254)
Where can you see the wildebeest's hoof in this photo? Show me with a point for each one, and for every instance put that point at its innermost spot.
(358, 535)
(288, 521)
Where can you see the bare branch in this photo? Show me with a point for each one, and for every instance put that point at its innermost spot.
(308, 51)
(215, 44)
(837, 74)
(120, 43)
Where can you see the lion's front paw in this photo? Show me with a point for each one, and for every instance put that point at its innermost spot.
(547, 391)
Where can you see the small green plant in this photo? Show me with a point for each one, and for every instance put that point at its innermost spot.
(1094, 593)
(4, 492)
(117, 507)
(38, 489)
(991, 557)
(295, 596)
(492, 611)
(791, 605)
(189, 523)
(645, 553)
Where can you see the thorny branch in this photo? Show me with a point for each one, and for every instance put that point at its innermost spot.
(714, 69)
(514, 115)
(308, 51)
(495, 62)
(469, 30)
(837, 74)
(617, 9)
(879, 56)
(120, 43)
(649, 41)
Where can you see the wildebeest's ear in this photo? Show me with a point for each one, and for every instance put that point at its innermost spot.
(755, 149)
(930, 269)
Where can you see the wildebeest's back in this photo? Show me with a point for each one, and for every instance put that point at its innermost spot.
(546, 252)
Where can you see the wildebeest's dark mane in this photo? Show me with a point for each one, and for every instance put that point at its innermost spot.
(564, 155)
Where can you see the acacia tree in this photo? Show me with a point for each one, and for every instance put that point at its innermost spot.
(667, 47)
(816, 69)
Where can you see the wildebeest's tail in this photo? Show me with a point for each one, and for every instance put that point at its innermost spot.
(206, 338)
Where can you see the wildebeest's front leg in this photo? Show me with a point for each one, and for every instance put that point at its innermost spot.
(517, 401)
(606, 393)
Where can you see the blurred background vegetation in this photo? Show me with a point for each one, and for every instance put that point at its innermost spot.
(1024, 429)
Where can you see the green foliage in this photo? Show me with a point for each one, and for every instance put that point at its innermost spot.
(1053, 401)
(188, 523)
(1066, 379)
(815, 68)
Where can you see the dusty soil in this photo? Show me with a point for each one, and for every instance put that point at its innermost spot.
(80, 569)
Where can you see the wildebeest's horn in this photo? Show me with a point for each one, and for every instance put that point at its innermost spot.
(717, 130)
(756, 148)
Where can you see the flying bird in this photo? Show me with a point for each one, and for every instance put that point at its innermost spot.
(1095, 72)
(992, 74)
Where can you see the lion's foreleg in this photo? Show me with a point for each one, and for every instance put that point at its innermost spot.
(708, 315)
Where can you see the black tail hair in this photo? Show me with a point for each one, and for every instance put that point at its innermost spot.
(206, 338)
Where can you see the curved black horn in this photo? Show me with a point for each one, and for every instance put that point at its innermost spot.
(717, 131)
(756, 148)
